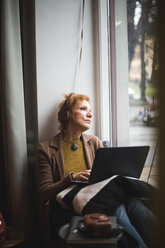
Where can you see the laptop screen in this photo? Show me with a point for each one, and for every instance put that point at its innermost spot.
(123, 161)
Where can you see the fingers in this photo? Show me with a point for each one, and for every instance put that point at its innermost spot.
(84, 175)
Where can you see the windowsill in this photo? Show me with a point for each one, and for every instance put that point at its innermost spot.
(154, 178)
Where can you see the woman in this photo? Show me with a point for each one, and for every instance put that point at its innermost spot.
(67, 156)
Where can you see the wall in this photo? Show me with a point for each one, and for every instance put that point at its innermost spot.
(57, 44)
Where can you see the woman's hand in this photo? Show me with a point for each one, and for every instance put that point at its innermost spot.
(82, 176)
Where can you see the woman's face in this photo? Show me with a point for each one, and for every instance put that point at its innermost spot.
(81, 115)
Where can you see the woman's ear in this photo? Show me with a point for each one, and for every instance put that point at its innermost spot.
(68, 115)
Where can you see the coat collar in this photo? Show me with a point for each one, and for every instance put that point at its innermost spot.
(88, 151)
(56, 141)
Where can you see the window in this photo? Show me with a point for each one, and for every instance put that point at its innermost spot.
(142, 18)
(131, 84)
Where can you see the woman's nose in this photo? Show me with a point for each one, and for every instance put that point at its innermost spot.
(89, 114)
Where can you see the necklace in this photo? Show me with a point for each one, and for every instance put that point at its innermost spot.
(74, 146)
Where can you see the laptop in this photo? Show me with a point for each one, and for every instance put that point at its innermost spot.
(123, 161)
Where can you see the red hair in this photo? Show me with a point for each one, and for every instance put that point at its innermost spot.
(66, 106)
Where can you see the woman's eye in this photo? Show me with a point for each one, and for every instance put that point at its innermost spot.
(82, 108)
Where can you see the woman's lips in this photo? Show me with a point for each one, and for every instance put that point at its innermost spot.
(89, 121)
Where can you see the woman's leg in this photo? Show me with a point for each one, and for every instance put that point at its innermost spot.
(143, 220)
(123, 220)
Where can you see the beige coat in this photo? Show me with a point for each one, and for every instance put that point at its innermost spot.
(50, 164)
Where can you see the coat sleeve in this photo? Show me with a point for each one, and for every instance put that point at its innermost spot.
(48, 186)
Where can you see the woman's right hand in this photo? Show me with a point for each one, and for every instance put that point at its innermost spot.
(83, 175)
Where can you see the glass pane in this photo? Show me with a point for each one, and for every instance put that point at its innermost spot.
(142, 19)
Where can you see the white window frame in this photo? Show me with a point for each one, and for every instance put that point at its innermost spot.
(103, 87)
(122, 77)
(113, 82)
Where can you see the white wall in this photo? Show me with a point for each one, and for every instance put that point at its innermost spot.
(57, 44)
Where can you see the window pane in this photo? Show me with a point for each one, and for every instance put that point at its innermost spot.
(142, 19)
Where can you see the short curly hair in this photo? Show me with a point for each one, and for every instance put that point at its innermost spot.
(66, 106)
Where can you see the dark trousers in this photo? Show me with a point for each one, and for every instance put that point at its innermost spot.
(58, 217)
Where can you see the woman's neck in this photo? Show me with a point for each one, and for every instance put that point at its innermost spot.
(70, 135)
